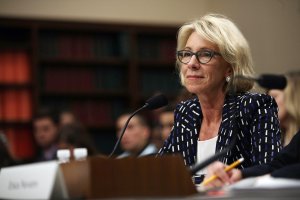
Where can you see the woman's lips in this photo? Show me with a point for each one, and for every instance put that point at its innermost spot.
(194, 77)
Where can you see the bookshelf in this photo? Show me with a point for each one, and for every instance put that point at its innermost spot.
(16, 89)
(97, 70)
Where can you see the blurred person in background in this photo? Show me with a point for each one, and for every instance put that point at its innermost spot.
(288, 101)
(45, 128)
(67, 117)
(6, 159)
(136, 139)
(164, 118)
(162, 126)
(166, 121)
(73, 136)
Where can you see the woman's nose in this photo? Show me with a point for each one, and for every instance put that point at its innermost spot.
(193, 64)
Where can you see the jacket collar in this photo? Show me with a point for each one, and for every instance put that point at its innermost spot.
(227, 124)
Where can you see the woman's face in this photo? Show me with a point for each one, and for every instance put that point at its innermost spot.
(279, 98)
(206, 78)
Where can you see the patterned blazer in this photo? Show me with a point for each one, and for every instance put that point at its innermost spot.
(257, 129)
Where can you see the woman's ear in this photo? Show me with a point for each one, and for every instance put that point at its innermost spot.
(229, 71)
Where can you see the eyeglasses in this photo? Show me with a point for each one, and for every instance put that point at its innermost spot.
(203, 56)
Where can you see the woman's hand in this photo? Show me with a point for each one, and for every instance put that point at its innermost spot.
(218, 169)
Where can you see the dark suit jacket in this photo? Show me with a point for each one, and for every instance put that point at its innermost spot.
(254, 115)
(285, 165)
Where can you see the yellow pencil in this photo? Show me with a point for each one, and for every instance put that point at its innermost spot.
(230, 167)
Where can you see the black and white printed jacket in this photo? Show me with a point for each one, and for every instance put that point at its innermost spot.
(258, 132)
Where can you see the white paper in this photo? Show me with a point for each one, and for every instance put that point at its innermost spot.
(265, 182)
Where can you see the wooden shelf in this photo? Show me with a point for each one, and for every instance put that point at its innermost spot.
(83, 61)
(98, 55)
(6, 46)
(16, 86)
(157, 63)
(16, 123)
(103, 127)
(85, 94)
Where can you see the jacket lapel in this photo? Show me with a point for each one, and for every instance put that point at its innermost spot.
(226, 130)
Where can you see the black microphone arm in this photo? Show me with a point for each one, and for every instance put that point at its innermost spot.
(124, 128)
(268, 81)
(152, 103)
(208, 161)
(194, 169)
(272, 81)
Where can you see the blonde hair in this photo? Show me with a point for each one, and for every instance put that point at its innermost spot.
(232, 45)
(292, 104)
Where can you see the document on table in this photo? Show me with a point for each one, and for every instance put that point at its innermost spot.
(267, 182)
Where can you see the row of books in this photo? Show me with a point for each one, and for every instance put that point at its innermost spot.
(14, 38)
(14, 67)
(20, 142)
(82, 46)
(66, 79)
(15, 105)
(157, 49)
(106, 45)
(98, 113)
(92, 113)
(83, 79)
(108, 79)
(159, 81)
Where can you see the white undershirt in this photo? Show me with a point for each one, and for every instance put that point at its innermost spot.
(205, 149)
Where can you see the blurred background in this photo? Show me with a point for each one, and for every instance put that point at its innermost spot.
(99, 58)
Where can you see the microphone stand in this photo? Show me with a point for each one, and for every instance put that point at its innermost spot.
(124, 128)
(152, 103)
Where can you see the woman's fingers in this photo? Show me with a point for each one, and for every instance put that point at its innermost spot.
(218, 169)
(235, 176)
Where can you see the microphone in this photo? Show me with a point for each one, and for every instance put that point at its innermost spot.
(268, 81)
(156, 102)
(151, 104)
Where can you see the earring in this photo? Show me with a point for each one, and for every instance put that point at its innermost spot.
(228, 78)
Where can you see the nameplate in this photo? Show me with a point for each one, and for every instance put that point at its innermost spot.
(32, 181)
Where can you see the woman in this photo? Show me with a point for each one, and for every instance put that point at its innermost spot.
(288, 101)
(211, 51)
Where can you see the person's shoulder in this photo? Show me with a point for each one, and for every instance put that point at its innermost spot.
(190, 103)
(254, 98)
(123, 155)
(150, 149)
(254, 101)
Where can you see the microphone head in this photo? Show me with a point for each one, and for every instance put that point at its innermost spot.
(271, 81)
(156, 102)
